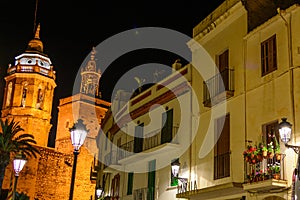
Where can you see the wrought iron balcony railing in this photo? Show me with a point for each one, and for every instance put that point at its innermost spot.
(151, 140)
(218, 87)
(264, 169)
(143, 194)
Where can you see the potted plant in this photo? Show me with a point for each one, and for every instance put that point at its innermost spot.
(263, 150)
(277, 149)
(275, 170)
(270, 150)
(250, 154)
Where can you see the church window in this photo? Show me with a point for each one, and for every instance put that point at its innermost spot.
(9, 94)
(40, 98)
(24, 93)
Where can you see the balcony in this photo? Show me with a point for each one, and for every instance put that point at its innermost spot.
(152, 144)
(218, 88)
(31, 69)
(266, 175)
(142, 194)
(190, 191)
(95, 167)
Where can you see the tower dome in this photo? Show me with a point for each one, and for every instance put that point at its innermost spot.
(35, 45)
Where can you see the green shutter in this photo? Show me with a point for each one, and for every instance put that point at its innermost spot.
(151, 180)
(130, 183)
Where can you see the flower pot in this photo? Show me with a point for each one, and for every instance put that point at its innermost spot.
(265, 154)
(278, 156)
(271, 155)
(276, 176)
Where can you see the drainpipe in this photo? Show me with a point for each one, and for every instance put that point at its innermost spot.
(191, 131)
(291, 68)
(245, 97)
(291, 73)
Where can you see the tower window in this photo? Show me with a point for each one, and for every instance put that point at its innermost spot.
(40, 98)
(9, 95)
(24, 93)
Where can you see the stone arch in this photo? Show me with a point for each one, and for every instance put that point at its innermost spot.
(273, 198)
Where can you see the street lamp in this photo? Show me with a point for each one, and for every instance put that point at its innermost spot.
(78, 135)
(285, 131)
(99, 192)
(175, 170)
(19, 162)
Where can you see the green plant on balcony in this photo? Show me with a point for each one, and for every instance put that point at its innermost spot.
(270, 150)
(263, 150)
(277, 149)
(275, 170)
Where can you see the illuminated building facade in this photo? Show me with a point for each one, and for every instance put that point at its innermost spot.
(28, 98)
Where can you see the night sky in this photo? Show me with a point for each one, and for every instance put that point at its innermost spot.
(69, 30)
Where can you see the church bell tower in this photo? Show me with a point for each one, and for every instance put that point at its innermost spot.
(29, 89)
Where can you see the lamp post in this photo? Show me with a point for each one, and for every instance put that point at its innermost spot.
(78, 135)
(175, 170)
(19, 162)
(285, 131)
(99, 192)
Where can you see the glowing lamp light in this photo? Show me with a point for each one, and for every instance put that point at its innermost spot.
(78, 134)
(175, 167)
(19, 162)
(99, 192)
(285, 130)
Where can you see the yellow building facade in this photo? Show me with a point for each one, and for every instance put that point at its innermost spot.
(255, 49)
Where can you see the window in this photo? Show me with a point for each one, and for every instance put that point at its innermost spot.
(271, 137)
(115, 187)
(222, 148)
(223, 60)
(40, 98)
(270, 130)
(167, 124)
(268, 55)
(24, 93)
(138, 138)
(223, 66)
(9, 94)
(129, 183)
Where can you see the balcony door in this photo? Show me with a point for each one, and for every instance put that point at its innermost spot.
(138, 138)
(167, 124)
(222, 148)
(223, 66)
